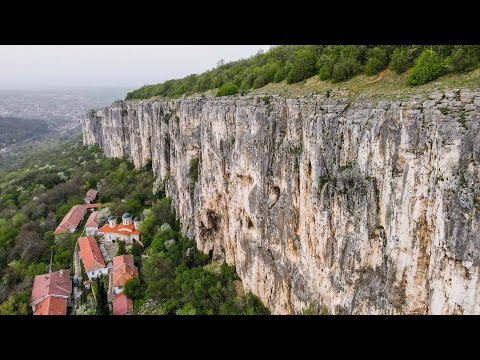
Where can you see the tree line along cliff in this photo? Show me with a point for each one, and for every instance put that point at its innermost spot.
(332, 63)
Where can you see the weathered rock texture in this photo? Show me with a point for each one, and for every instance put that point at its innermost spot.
(360, 207)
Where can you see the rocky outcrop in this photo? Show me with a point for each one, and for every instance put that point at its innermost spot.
(362, 207)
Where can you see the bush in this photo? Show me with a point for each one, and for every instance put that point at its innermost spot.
(376, 62)
(325, 72)
(304, 66)
(428, 67)
(464, 58)
(133, 288)
(344, 69)
(281, 74)
(121, 248)
(227, 89)
(400, 61)
(193, 171)
(259, 82)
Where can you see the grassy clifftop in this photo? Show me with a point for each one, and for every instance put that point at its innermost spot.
(390, 86)
(351, 69)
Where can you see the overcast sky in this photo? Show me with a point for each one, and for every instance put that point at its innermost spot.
(44, 67)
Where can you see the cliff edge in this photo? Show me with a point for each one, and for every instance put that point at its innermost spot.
(362, 207)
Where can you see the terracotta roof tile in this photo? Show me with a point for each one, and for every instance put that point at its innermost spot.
(90, 253)
(92, 220)
(122, 305)
(91, 195)
(123, 269)
(51, 306)
(120, 229)
(55, 283)
(74, 217)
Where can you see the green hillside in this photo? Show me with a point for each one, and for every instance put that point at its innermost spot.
(36, 194)
(16, 130)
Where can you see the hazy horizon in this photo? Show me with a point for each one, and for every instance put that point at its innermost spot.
(50, 67)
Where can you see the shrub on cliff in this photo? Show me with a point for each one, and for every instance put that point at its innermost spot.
(227, 89)
(193, 172)
(428, 67)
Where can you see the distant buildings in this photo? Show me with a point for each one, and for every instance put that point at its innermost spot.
(73, 218)
(127, 231)
(92, 257)
(90, 196)
(91, 226)
(123, 270)
(51, 293)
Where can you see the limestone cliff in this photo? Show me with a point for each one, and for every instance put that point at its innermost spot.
(362, 207)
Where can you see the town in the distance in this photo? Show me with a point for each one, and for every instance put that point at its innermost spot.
(96, 250)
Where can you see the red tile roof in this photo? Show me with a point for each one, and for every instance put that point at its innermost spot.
(55, 283)
(92, 220)
(90, 253)
(51, 305)
(74, 217)
(120, 229)
(122, 305)
(91, 195)
(123, 269)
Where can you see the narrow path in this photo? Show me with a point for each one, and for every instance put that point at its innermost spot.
(110, 284)
(379, 76)
(77, 277)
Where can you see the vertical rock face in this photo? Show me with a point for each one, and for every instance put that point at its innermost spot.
(360, 207)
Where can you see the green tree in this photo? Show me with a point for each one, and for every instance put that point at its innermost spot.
(227, 89)
(14, 306)
(376, 61)
(136, 251)
(121, 248)
(133, 289)
(304, 66)
(281, 73)
(254, 305)
(428, 67)
(464, 58)
(401, 60)
(102, 307)
(344, 69)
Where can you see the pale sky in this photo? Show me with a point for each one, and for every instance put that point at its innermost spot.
(50, 66)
